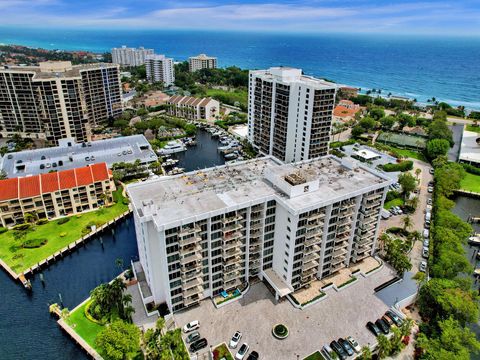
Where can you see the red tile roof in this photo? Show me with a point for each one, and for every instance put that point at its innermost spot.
(45, 183)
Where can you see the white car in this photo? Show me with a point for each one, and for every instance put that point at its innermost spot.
(235, 339)
(354, 344)
(426, 233)
(430, 189)
(423, 266)
(242, 351)
(192, 325)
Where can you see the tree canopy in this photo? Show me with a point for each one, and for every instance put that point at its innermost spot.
(118, 341)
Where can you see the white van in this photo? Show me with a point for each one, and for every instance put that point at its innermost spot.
(428, 216)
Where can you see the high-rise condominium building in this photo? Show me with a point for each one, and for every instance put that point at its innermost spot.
(160, 69)
(202, 61)
(216, 229)
(289, 114)
(130, 56)
(56, 100)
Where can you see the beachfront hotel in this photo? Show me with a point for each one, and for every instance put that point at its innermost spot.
(126, 56)
(289, 114)
(57, 100)
(49, 196)
(215, 230)
(188, 107)
(160, 69)
(201, 61)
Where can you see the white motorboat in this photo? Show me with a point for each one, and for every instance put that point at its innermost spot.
(170, 162)
(474, 240)
(172, 147)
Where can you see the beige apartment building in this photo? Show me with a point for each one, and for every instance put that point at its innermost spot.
(217, 229)
(202, 61)
(56, 99)
(55, 194)
(193, 108)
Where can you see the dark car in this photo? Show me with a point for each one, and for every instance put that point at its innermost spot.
(394, 317)
(198, 345)
(346, 346)
(373, 328)
(382, 325)
(342, 354)
(253, 356)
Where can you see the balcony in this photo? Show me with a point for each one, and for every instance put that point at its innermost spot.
(192, 291)
(233, 236)
(317, 216)
(373, 197)
(232, 261)
(254, 249)
(231, 245)
(337, 260)
(231, 276)
(339, 252)
(311, 234)
(188, 231)
(189, 259)
(231, 228)
(191, 274)
(311, 249)
(232, 252)
(313, 264)
(232, 284)
(231, 219)
(189, 241)
(195, 281)
(309, 272)
(192, 300)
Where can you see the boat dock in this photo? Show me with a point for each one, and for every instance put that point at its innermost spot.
(466, 193)
(60, 253)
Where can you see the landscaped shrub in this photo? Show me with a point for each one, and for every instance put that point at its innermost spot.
(392, 195)
(24, 226)
(63, 220)
(402, 166)
(471, 169)
(280, 331)
(398, 231)
(352, 279)
(62, 234)
(42, 221)
(2, 229)
(89, 316)
(34, 243)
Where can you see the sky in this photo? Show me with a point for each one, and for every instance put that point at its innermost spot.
(432, 17)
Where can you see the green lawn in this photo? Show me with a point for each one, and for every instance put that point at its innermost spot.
(394, 202)
(315, 356)
(471, 183)
(473, 128)
(19, 259)
(87, 329)
(229, 97)
(410, 153)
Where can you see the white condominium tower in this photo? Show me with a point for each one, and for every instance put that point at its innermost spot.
(216, 229)
(289, 114)
(57, 100)
(160, 69)
(202, 61)
(130, 56)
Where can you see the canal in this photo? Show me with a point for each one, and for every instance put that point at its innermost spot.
(27, 331)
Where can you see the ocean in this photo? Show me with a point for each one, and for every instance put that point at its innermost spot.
(414, 66)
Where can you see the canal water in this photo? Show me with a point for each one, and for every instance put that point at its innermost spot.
(27, 331)
(204, 155)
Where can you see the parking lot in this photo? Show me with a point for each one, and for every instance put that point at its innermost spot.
(341, 314)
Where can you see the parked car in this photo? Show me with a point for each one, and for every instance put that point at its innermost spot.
(427, 224)
(328, 353)
(253, 356)
(416, 191)
(428, 216)
(354, 344)
(342, 354)
(426, 243)
(192, 325)
(426, 233)
(194, 336)
(399, 211)
(383, 326)
(198, 345)
(425, 253)
(373, 328)
(387, 320)
(242, 351)
(430, 189)
(431, 183)
(395, 318)
(431, 171)
(346, 346)
(423, 266)
(429, 201)
(235, 339)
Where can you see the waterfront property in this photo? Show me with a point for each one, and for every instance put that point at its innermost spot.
(210, 231)
(69, 155)
(192, 108)
(160, 69)
(57, 100)
(49, 196)
(57, 233)
(289, 114)
(201, 61)
(130, 56)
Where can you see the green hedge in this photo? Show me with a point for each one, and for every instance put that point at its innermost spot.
(63, 220)
(2, 229)
(34, 243)
(402, 166)
(471, 169)
(347, 282)
(24, 226)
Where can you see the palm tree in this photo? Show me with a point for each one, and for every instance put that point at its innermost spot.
(407, 222)
(406, 327)
(384, 346)
(366, 353)
(418, 171)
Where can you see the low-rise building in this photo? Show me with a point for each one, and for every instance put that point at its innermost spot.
(470, 148)
(345, 110)
(51, 195)
(70, 155)
(348, 91)
(202, 61)
(216, 229)
(193, 108)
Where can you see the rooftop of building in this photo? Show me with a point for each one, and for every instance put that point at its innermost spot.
(56, 69)
(69, 155)
(31, 186)
(177, 199)
(157, 57)
(189, 100)
(470, 148)
(287, 74)
(203, 57)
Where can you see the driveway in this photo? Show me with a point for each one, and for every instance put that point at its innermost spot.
(339, 315)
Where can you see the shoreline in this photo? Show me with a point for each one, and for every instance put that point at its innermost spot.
(471, 105)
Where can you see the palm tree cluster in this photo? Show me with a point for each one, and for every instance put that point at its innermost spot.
(161, 345)
(110, 302)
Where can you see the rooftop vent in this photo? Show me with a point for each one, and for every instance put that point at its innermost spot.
(295, 179)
